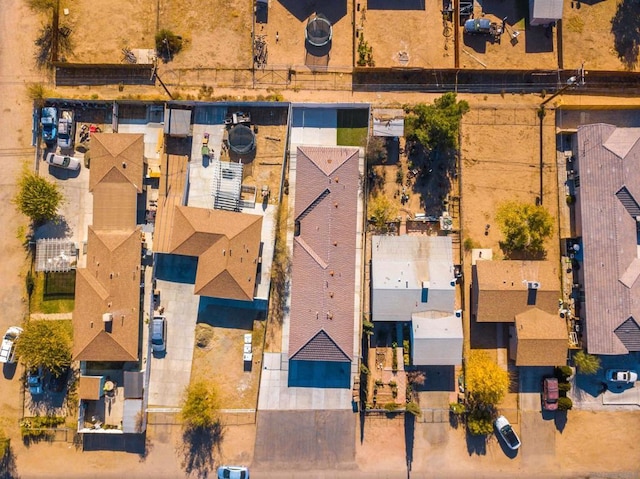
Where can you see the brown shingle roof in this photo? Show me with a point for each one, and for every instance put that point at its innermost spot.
(173, 178)
(111, 281)
(324, 254)
(109, 284)
(117, 155)
(607, 163)
(501, 289)
(227, 245)
(541, 339)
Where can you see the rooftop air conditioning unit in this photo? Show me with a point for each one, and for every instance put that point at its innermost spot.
(107, 317)
(533, 285)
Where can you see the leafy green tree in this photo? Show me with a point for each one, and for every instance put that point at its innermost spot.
(37, 198)
(436, 126)
(46, 343)
(564, 403)
(200, 406)
(525, 226)
(383, 210)
(486, 382)
(586, 363)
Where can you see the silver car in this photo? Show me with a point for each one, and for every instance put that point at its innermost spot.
(159, 334)
(233, 472)
(66, 162)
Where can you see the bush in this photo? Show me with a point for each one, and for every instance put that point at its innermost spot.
(168, 44)
(393, 384)
(199, 406)
(564, 387)
(565, 403)
(413, 408)
(480, 422)
(469, 244)
(563, 372)
(38, 198)
(367, 327)
(586, 363)
(391, 406)
(379, 382)
(394, 360)
(364, 369)
(457, 408)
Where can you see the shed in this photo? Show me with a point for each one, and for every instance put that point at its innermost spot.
(437, 338)
(388, 122)
(545, 12)
(177, 122)
(133, 384)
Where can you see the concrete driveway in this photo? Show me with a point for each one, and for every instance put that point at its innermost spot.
(170, 372)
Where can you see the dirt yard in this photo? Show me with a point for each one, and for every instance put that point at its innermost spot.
(587, 35)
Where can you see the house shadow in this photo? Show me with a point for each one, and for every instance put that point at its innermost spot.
(625, 27)
(130, 443)
(227, 313)
(319, 374)
(176, 268)
(539, 39)
(438, 378)
(302, 9)
(395, 4)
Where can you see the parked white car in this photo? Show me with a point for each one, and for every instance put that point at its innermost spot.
(620, 376)
(510, 437)
(8, 351)
(66, 162)
(233, 472)
(159, 334)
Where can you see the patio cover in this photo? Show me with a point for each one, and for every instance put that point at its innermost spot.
(57, 255)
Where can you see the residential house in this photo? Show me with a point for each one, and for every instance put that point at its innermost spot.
(324, 312)
(503, 289)
(607, 191)
(412, 279)
(526, 294)
(107, 315)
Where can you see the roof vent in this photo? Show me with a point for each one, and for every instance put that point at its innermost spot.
(533, 285)
(458, 313)
(107, 317)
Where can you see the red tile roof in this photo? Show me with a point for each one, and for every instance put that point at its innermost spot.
(324, 254)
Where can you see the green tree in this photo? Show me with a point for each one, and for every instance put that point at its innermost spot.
(564, 403)
(487, 382)
(37, 198)
(436, 126)
(200, 406)
(525, 226)
(46, 343)
(586, 363)
(382, 210)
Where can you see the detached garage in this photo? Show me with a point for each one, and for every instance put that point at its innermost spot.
(544, 12)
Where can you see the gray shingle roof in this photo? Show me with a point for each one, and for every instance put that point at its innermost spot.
(607, 162)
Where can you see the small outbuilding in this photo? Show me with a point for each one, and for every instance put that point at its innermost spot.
(545, 12)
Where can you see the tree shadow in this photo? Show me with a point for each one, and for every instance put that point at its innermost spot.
(409, 433)
(625, 26)
(198, 446)
(560, 420)
(476, 444)
(523, 255)
(8, 468)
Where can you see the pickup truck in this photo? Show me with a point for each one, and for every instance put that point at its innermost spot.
(49, 122)
(65, 130)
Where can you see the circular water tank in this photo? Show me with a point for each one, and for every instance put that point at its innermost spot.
(241, 139)
(319, 31)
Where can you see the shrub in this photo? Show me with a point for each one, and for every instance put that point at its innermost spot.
(406, 359)
(391, 406)
(479, 422)
(586, 363)
(565, 403)
(563, 372)
(564, 387)
(457, 408)
(379, 382)
(470, 244)
(364, 369)
(393, 384)
(168, 44)
(394, 360)
(416, 377)
(413, 408)
(367, 327)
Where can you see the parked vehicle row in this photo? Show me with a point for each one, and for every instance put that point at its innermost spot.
(57, 129)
